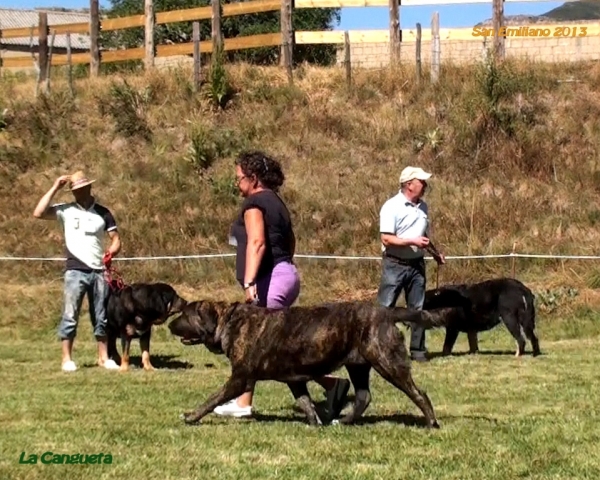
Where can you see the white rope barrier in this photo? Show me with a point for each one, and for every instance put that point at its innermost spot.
(320, 257)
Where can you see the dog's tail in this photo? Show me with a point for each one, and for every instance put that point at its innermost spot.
(527, 313)
(436, 318)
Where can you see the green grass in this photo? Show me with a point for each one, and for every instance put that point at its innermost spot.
(501, 417)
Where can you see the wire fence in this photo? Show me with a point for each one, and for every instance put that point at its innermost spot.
(313, 256)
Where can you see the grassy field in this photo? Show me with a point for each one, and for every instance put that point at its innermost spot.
(500, 417)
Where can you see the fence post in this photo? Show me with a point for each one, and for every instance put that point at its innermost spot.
(49, 62)
(149, 33)
(217, 36)
(94, 38)
(196, 39)
(36, 61)
(347, 61)
(418, 53)
(435, 47)
(69, 65)
(394, 31)
(513, 260)
(43, 47)
(498, 20)
(286, 58)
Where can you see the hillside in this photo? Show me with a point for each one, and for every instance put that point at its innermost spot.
(567, 12)
(582, 10)
(514, 154)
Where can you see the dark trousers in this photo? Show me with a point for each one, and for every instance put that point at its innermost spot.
(398, 275)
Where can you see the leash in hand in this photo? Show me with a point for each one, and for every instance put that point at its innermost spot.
(433, 251)
(111, 275)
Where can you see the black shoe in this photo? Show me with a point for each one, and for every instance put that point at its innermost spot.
(419, 357)
(336, 398)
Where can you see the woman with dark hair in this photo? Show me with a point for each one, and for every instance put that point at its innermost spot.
(266, 244)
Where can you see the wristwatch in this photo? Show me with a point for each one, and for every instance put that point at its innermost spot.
(248, 285)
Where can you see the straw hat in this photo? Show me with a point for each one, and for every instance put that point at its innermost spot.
(78, 180)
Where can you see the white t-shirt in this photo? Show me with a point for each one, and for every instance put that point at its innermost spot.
(402, 218)
(84, 234)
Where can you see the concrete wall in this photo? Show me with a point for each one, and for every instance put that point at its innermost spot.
(377, 55)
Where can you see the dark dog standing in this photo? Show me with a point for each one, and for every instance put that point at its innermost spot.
(132, 311)
(297, 344)
(482, 306)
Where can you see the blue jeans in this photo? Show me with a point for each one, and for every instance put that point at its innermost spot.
(395, 277)
(77, 285)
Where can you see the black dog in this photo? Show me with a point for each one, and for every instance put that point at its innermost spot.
(132, 311)
(482, 306)
(298, 344)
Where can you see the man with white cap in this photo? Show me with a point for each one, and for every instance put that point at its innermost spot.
(404, 229)
(85, 223)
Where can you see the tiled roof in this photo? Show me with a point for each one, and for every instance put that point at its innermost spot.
(17, 18)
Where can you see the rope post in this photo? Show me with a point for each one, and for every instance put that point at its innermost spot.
(513, 260)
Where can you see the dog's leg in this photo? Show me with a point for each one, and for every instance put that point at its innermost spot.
(300, 393)
(145, 347)
(449, 340)
(535, 344)
(527, 320)
(235, 386)
(111, 344)
(390, 359)
(125, 346)
(359, 376)
(473, 342)
(513, 326)
(402, 379)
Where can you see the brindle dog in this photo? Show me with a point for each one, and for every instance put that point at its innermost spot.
(298, 344)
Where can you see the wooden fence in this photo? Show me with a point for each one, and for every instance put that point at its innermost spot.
(286, 38)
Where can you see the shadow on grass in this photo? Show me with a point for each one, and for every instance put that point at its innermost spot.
(406, 419)
(159, 362)
(480, 353)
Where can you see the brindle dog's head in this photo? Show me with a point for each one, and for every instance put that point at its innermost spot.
(198, 324)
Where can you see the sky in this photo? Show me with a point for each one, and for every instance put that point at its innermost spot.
(367, 18)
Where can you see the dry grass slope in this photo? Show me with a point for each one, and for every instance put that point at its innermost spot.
(513, 149)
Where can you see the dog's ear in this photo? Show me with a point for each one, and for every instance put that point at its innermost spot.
(209, 314)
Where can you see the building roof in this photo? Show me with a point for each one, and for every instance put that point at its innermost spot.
(19, 18)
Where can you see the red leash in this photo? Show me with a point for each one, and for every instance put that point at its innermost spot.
(111, 275)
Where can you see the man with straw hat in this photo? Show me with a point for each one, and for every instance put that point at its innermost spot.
(404, 228)
(85, 223)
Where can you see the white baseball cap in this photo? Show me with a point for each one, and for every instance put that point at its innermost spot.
(411, 173)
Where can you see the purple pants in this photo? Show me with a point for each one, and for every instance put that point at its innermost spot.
(281, 288)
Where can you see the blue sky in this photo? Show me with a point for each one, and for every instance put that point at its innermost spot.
(365, 18)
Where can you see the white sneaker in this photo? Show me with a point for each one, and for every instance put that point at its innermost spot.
(69, 366)
(232, 409)
(110, 364)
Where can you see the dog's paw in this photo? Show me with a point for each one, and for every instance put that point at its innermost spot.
(189, 418)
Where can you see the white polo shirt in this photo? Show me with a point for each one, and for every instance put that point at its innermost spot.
(84, 232)
(402, 218)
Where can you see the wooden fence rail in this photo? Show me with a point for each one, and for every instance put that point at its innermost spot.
(286, 38)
